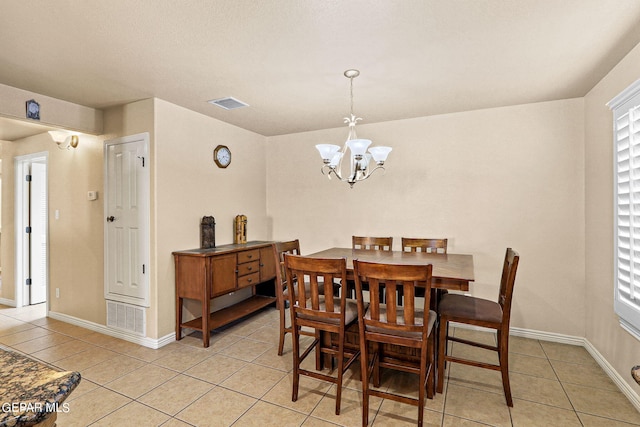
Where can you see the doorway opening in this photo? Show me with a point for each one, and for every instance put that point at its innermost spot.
(31, 218)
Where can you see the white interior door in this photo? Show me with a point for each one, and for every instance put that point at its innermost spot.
(38, 236)
(127, 220)
(31, 229)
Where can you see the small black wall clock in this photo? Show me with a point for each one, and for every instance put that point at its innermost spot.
(33, 110)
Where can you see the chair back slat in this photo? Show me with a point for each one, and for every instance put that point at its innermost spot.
(391, 300)
(410, 244)
(372, 243)
(409, 289)
(374, 297)
(328, 300)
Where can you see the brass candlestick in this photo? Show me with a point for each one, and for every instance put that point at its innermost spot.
(241, 229)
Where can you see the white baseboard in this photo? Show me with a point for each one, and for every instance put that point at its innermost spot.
(9, 302)
(547, 336)
(131, 337)
(624, 387)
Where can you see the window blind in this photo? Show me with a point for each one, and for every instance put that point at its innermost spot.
(626, 136)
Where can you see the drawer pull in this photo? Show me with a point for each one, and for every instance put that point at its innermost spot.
(250, 280)
(250, 268)
(249, 256)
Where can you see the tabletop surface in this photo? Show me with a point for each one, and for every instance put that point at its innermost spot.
(446, 266)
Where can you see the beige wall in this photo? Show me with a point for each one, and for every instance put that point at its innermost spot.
(485, 179)
(185, 185)
(189, 186)
(75, 239)
(620, 349)
(7, 288)
(54, 112)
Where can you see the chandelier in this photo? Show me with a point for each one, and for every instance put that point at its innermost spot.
(359, 159)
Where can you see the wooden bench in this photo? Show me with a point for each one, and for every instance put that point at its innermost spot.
(31, 392)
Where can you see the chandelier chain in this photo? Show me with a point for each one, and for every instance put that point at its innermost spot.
(351, 91)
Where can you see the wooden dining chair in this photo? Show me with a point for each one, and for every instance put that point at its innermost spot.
(438, 246)
(372, 243)
(368, 244)
(394, 325)
(282, 290)
(328, 313)
(410, 244)
(480, 312)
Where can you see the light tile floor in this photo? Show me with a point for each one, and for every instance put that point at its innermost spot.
(241, 381)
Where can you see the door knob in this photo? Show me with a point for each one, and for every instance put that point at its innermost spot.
(111, 218)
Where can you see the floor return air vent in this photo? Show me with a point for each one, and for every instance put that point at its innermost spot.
(126, 317)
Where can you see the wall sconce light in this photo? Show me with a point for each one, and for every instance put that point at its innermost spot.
(64, 140)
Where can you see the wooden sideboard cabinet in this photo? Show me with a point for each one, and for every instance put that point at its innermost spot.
(203, 274)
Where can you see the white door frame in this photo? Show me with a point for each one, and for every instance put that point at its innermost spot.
(21, 206)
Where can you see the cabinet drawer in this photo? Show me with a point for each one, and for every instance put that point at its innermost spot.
(249, 280)
(247, 256)
(248, 268)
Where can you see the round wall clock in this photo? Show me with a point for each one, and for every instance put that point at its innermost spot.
(222, 156)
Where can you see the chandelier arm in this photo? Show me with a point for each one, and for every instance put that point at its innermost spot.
(373, 170)
(331, 170)
(337, 174)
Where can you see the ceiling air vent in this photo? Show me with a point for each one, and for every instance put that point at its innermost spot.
(228, 103)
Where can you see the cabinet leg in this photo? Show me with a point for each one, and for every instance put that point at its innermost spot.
(178, 318)
(205, 322)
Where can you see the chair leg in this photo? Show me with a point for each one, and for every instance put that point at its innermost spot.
(422, 383)
(364, 376)
(318, 336)
(295, 338)
(442, 351)
(376, 366)
(503, 345)
(431, 383)
(340, 371)
(283, 330)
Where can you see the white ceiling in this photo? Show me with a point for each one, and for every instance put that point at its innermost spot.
(285, 58)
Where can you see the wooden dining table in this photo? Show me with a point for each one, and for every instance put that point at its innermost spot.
(450, 271)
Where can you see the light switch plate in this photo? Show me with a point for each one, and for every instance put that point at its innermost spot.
(92, 195)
